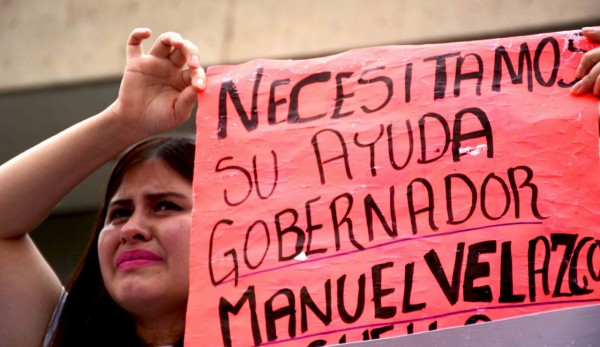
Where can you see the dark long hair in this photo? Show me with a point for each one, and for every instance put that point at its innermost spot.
(90, 317)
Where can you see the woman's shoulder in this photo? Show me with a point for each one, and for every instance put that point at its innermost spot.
(55, 318)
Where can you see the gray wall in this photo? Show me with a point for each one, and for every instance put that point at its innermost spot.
(44, 43)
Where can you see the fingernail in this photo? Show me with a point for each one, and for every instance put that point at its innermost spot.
(176, 40)
(589, 30)
(201, 83)
(579, 71)
(195, 61)
(577, 87)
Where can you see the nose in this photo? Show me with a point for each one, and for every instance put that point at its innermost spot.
(136, 229)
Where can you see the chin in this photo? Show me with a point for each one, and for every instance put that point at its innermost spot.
(135, 292)
(141, 295)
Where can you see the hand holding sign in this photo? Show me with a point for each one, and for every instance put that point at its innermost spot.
(589, 67)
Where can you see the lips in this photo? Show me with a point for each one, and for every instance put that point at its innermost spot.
(136, 258)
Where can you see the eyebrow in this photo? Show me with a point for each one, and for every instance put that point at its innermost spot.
(149, 197)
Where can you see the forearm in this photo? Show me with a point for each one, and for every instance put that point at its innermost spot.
(36, 180)
(157, 93)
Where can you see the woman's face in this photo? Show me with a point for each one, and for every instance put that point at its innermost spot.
(144, 246)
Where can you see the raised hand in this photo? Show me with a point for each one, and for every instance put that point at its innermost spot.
(159, 89)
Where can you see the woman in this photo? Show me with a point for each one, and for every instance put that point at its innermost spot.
(138, 254)
(132, 285)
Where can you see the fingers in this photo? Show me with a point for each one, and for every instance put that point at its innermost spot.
(186, 54)
(134, 44)
(194, 77)
(589, 67)
(196, 74)
(177, 58)
(588, 61)
(199, 82)
(185, 103)
(178, 51)
(181, 52)
(592, 33)
(191, 53)
(165, 43)
(596, 89)
(588, 82)
(168, 45)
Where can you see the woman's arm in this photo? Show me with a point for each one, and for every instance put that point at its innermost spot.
(157, 93)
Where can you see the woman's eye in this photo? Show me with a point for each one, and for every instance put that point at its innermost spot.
(167, 206)
(119, 213)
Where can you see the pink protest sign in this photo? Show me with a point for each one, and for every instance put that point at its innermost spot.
(392, 190)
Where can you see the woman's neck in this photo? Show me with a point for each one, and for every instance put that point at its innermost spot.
(161, 331)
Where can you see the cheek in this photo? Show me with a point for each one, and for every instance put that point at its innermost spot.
(178, 244)
(106, 250)
(179, 235)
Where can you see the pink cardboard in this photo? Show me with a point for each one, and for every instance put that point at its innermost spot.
(393, 190)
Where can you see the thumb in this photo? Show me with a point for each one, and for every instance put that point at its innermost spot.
(592, 33)
(184, 104)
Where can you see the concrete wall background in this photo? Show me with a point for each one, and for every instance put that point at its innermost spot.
(44, 43)
(61, 60)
